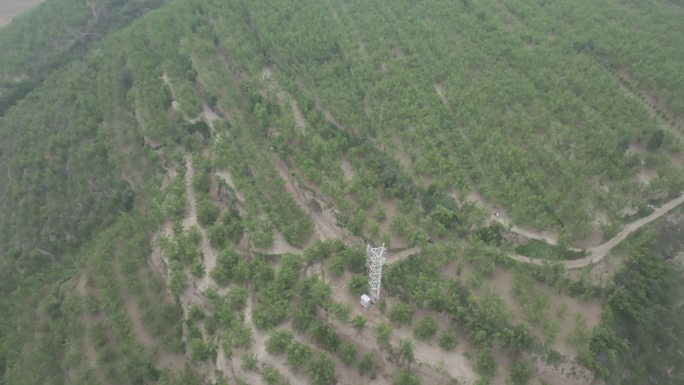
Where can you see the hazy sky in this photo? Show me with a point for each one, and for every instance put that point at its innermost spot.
(9, 9)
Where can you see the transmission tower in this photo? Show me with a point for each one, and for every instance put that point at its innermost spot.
(375, 258)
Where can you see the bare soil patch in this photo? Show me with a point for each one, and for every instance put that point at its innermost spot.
(347, 170)
(441, 93)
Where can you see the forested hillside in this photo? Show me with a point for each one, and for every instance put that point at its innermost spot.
(187, 188)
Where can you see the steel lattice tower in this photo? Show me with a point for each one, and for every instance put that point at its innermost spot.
(375, 258)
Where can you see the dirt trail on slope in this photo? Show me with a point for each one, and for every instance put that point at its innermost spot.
(324, 221)
(503, 219)
(597, 253)
(88, 321)
(442, 94)
(347, 170)
(283, 97)
(399, 255)
(208, 252)
(228, 177)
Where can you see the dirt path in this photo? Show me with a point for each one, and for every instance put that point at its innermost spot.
(324, 221)
(396, 256)
(347, 170)
(88, 320)
(283, 97)
(228, 178)
(597, 253)
(139, 330)
(442, 94)
(499, 216)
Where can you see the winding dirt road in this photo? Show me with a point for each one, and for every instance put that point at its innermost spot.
(597, 253)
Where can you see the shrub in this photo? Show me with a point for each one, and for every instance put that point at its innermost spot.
(278, 341)
(401, 313)
(447, 340)
(426, 328)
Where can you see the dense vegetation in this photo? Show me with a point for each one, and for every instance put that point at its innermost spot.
(643, 313)
(185, 193)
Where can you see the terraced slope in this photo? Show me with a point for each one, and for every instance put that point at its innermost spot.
(186, 194)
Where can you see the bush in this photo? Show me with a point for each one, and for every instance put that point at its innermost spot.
(278, 341)
(401, 313)
(404, 377)
(406, 350)
(348, 353)
(447, 340)
(298, 354)
(340, 311)
(272, 376)
(207, 212)
(366, 363)
(521, 373)
(249, 362)
(321, 369)
(358, 322)
(426, 328)
(199, 350)
(237, 297)
(358, 284)
(382, 333)
(485, 365)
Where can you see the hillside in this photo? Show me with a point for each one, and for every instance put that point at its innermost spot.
(187, 188)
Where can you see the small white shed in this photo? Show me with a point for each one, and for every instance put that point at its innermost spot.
(365, 301)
